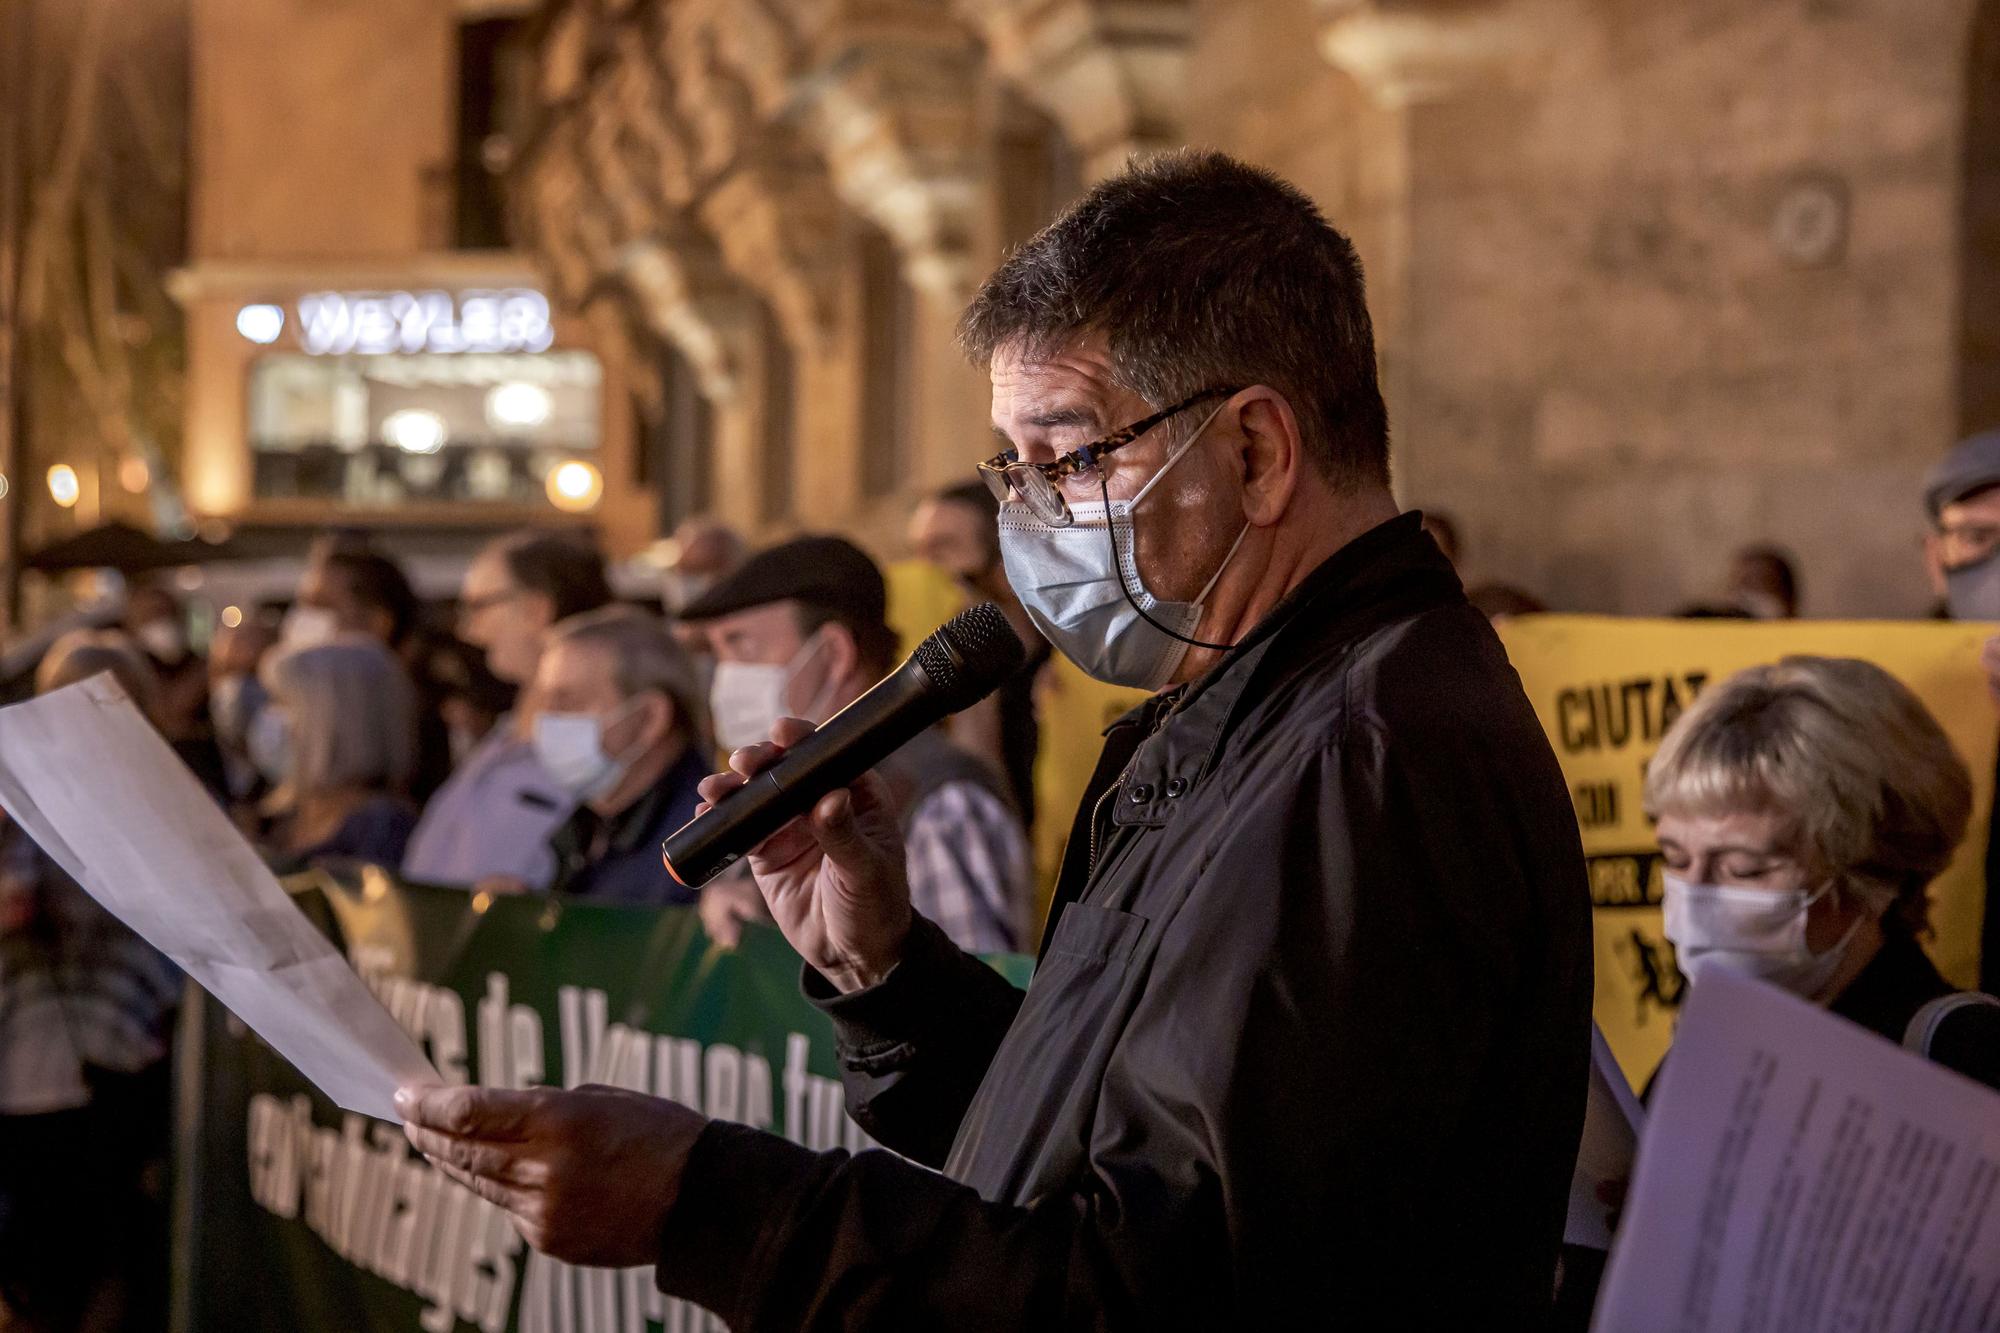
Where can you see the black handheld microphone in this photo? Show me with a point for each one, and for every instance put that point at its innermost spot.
(963, 662)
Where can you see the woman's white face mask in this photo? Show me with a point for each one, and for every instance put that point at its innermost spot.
(746, 699)
(1754, 932)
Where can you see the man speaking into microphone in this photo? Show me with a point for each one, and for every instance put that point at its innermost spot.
(1306, 1043)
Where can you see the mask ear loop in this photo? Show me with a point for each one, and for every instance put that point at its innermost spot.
(619, 714)
(1110, 535)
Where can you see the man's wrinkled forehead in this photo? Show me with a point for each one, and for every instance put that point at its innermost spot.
(1070, 389)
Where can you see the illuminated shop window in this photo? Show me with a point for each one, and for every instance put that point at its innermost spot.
(389, 429)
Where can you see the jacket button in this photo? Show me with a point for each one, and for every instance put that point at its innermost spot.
(1176, 788)
(1140, 794)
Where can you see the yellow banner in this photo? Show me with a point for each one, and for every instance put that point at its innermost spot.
(1606, 689)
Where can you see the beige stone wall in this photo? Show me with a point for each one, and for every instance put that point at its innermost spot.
(1649, 281)
(1614, 370)
(318, 127)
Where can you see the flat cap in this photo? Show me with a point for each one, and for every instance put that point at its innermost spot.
(1972, 465)
(828, 572)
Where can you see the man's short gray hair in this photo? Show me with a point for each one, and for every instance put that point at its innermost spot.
(645, 657)
(353, 715)
(1873, 795)
(83, 653)
(1202, 272)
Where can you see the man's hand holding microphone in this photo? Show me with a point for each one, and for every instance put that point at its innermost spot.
(590, 1174)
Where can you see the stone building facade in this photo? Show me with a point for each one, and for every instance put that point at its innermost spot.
(1650, 281)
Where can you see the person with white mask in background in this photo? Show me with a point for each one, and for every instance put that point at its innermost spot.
(1803, 810)
(236, 698)
(489, 824)
(1962, 557)
(156, 623)
(617, 724)
(801, 631)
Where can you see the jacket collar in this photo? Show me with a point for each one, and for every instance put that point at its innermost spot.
(1188, 724)
(641, 820)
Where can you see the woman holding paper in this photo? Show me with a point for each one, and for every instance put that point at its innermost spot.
(1803, 810)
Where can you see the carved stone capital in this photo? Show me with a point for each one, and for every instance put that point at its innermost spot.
(1411, 51)
(549, 194)
(895, 120)
(1112, 73)
(689, 297)
(781, 229)
(713, 106)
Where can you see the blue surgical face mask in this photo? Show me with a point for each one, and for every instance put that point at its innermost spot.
(570, 747)
(234, 701)
(268, 741)
(1972, 591)
(1074, 583)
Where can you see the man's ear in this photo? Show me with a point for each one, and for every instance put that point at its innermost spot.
(1271, 454)
(1934, 562)
(843, 655)
(542, 607)
(661, 716)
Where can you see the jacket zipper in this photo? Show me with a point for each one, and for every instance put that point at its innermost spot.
(1097, 812)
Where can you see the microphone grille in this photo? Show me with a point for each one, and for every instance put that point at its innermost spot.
(971, 654)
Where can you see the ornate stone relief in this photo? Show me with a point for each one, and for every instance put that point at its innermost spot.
(1112, 73)
(1411, 51)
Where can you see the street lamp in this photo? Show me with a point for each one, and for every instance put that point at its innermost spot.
(575, 486)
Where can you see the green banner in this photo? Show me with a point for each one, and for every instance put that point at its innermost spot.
(294, 1215)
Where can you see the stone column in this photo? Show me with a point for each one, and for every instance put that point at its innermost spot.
(782, 231)
(689, 298)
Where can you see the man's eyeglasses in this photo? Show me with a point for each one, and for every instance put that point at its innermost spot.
(472, 606)
(1966, 543)
(1039, 485)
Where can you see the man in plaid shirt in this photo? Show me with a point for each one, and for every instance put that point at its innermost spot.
(801, 631)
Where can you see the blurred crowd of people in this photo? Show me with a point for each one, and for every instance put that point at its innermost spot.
(541, 737)
(538, 736)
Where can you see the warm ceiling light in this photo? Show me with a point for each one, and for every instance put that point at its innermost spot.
(135, 474)
(63, 485)
(519, 405)
(575, 486)
(415, 431)
(232, 616)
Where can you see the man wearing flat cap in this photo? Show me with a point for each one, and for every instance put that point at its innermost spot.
(801, 631)
(1962, 549)
(1962, 554)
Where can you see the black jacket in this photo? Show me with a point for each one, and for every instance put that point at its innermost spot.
(1900, 980)
(1306, 1046)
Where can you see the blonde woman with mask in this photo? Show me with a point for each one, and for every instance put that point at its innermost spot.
(1803, 810)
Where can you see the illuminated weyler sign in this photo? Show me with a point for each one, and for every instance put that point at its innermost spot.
(514, 319)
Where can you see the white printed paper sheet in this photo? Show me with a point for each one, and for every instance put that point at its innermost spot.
(1799, 1174)
(84, 773)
